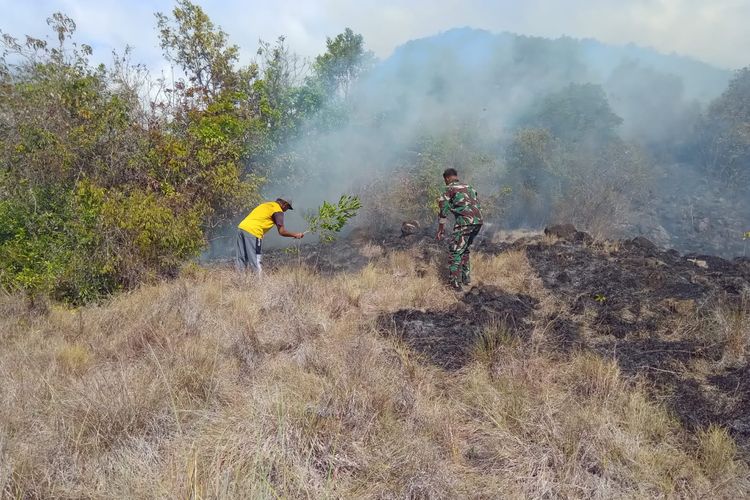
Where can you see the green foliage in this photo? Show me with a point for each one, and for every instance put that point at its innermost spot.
(281, 106)
(343, 62)
(191, 40)
(52, 243)
(568, 161)
(101, 190)
(331, 218)
(411, 192)
(152, 237)
(530, 156)
(725, 133)
(294, 147)
(577, 113)
(79, 245)
(457, 149)
(100, 193)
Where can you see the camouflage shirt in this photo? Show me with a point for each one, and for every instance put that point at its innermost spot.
(462, 200)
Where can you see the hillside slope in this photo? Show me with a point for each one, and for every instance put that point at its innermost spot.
(473, 76)
(571, 368)
(594, 59)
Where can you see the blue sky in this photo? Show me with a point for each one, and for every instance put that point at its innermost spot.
(714, 31)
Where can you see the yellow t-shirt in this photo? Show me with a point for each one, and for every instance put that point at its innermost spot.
(260, 220)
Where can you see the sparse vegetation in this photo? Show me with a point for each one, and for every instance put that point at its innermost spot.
(729, 326)
(212, 388)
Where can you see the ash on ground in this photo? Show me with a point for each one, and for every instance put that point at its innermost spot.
(628, 300)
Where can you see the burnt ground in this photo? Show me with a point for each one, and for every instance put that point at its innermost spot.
(650, 310)
(447, 338)
(357, 250)
(647, 308)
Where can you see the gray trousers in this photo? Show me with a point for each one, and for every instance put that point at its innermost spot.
(248, 251)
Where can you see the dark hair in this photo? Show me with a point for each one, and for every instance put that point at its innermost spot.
(450, 172)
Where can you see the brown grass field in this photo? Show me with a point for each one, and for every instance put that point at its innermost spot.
(216, 385)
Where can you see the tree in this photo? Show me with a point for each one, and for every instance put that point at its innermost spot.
(579, 112)
(192, 41)
(529, 156)
(541, 64)
(344, 61)
(725, 132)
(100, 192)
(202, 147)
(571, 166)
(70, 134)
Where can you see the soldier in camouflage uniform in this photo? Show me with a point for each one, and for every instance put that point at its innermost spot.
(462, 200)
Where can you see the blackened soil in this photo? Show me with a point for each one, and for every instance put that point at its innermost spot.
(634, 301)
(627, 300)
(635, 287)
(447, 338)
(354, 252)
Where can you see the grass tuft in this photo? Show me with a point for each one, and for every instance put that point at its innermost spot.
(216, 385)
(74, 358)
(717, 452)
(492, 340)
(731, 327)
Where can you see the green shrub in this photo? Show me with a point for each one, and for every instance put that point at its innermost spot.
(50, 243)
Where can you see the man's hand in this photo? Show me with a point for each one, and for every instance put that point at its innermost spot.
(286, 234)
(440, 233)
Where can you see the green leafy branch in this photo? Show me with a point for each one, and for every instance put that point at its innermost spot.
(331, 218)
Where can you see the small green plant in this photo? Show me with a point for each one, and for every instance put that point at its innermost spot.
(746, 235)
(600, 298)
(331, 218)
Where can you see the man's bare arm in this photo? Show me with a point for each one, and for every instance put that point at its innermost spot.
(283, 232)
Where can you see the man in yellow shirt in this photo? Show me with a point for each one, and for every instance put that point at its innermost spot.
(251, 230)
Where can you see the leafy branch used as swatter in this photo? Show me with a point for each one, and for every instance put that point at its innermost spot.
(332, 217)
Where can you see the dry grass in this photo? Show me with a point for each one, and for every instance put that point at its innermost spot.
(511, 271)
(730, 327)
(221, 386)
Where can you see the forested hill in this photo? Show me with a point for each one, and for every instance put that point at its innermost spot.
(470, 74)
(577, 60)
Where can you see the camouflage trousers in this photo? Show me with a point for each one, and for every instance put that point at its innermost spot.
(460, 266)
